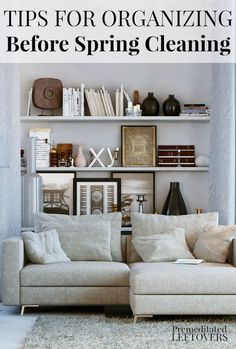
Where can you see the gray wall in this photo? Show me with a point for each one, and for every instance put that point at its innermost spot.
(10, 190)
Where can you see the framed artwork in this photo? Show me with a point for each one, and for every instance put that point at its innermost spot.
(57, 192)
(132, 185)
(138, 145)
(96, 196)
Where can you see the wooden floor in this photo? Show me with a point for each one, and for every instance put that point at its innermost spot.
(13, 327)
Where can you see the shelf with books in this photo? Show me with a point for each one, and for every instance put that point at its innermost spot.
(122, 169)
(186, 118)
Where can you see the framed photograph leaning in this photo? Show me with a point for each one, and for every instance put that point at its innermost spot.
(57, 192)
(138, 146)
(134, 185)
(96, 196)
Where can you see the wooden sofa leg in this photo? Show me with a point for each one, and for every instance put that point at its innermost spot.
(138, 316)
(27, 306)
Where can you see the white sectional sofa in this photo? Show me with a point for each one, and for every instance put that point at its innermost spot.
(149, 288)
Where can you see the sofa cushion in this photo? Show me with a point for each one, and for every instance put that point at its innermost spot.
(76, 274)
(88, 241)
(213, 244)
(114, 218)
(44, 248)
(170, 278)
(149, 224)
(164, 247)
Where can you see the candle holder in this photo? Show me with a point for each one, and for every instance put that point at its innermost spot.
(141, 199)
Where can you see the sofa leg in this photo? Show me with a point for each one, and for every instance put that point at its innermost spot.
(27, 306)
(138, 316)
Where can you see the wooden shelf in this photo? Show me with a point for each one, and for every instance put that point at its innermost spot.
(187, 118)
(122, 169)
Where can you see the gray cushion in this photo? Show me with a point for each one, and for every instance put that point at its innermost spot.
(76, 274)
(170, 278)
(44, 248)
(149, 224)
(213, 244)
(164, 247)
(115, 220)
(88, 241)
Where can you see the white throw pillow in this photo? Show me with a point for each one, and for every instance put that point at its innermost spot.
(166, 247)
(115, 220)
(213, 243)
(44, 248)
(84, 241)
(150, 224)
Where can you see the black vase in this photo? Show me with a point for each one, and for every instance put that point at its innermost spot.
(174, 205)
(150, 106)
(171, 106)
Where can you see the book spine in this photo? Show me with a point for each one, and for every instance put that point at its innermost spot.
(121, 100)
(82, 87)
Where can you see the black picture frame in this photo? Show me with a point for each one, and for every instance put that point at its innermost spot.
(56, 200)
(151, 149)
(132, 177)
(101, 209)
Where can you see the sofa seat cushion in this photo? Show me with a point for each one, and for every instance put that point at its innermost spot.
(76, 274)
(176, 279)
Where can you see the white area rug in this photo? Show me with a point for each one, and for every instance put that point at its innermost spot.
(97, 331)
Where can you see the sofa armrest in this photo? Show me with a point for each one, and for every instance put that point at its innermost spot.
(12, 263)
(232, 252)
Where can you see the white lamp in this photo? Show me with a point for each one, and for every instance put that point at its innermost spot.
(3, 157)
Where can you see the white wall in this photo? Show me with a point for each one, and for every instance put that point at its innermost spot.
(190, 83)
(10, 190)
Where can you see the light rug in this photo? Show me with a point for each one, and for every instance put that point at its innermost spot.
(97, 331)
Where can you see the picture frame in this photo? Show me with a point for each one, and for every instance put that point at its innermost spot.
(132, 184)
(138, 146)
(96, 195)
(58, 191)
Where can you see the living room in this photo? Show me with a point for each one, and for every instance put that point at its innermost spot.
(117, 214)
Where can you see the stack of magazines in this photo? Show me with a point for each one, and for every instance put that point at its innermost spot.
(195, 109)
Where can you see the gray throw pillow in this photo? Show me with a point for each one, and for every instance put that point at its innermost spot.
(166, 247)
(150, 224)
(115, 220)
(84, 241)
(44, 248)
(213, 243)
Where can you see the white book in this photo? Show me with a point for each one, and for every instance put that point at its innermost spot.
(127, 96)
(106, 113)
(94, 102)
(82, 99)
(117, 103)
(65, 101)
(112, 113)
(29, 102)
(106, 101)
(189, 261)
(121, 100)
(88, 101)
(102, 103)
(69, 101)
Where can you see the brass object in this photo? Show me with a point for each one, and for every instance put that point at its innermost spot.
(198, 210)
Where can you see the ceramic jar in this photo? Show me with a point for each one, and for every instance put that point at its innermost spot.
(171, 106)
(150, 105)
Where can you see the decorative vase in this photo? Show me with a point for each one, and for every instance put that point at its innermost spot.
(171, 106)
(150, 106)
(80, 160)
(174, 204)
(202, 161)
(32, 197)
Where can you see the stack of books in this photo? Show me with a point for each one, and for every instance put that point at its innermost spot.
(99, 102)
(194, 109)
(73, 101)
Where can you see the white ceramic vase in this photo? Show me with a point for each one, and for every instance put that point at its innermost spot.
(80, 160)
(202, 161)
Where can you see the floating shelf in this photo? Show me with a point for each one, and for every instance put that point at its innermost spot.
(122, 169)
(187, 118)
